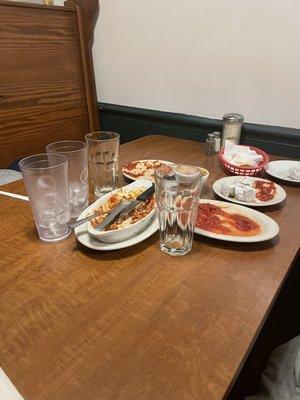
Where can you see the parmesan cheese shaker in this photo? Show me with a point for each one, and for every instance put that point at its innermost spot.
(232, 126)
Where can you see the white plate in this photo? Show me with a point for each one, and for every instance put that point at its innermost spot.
(119, 235)
(278, 198)
(84, 238)
(279, 169)
(270, 228)
(151, 177)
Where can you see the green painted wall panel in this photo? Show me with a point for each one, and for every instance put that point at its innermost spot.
(133, 123)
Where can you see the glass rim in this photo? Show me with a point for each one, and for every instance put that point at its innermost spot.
(117, 136)
(84, 146)
(43, 157)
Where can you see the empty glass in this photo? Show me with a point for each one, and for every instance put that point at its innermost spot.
(177, 191)
(46, 181)
(76, 153)
(103, 155)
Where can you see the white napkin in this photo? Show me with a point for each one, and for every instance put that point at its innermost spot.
(7, 389)
(241, 155)
(294, 173)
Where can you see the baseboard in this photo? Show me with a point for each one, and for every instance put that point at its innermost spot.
(132, 123)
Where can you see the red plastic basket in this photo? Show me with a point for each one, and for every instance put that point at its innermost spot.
(245, 170)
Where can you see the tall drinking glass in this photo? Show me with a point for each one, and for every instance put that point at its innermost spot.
(76, 153)
(103, 155)
(177, 191)
(46, 181)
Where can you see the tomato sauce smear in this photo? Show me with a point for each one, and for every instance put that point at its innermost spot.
(265, 190)
(215, 219)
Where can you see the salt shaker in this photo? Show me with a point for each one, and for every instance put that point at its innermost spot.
(210, 145)
(232, 126)
(217, 141)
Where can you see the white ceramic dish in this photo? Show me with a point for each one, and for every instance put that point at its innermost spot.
(279, 169)
(278, 198)
(270, 228)
(83, 236)
(204, 171)
(145, 176)
(119, 235)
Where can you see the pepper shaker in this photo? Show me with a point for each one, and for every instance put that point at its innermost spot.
(210, 145)
(232, 126)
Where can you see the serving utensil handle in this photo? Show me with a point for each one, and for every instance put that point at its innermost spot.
(74, 225)
(147, 193)
(112, 216)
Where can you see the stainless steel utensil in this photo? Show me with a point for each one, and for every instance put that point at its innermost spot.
(74, 225)
(107, 220)
(112, 216)
(139, 200)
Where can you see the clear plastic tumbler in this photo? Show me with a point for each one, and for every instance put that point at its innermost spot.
(76, 153)
(46, 181)
(103, 155)
(177, 192)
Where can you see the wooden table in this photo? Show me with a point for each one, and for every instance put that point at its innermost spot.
(135, 324)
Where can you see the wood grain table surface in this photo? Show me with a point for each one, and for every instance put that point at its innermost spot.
(136, 324)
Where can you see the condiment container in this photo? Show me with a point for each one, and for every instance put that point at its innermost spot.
(232, 126)
(210, 145)
(217, 141)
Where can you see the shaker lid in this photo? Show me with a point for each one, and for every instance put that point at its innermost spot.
(233, 118)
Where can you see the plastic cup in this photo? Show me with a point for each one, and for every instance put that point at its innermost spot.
(46, 181)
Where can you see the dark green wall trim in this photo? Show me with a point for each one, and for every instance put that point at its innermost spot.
(132, 123)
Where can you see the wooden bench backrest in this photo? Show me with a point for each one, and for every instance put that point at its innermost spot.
(47, 89)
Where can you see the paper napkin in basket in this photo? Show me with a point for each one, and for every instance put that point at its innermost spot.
(240, 155)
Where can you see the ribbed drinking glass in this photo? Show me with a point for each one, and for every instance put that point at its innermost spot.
(103, 156)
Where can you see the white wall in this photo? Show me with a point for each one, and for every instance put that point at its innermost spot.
(202, 57)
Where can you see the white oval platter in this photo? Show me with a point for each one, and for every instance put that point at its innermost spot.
(278, 198)
(270, 228)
